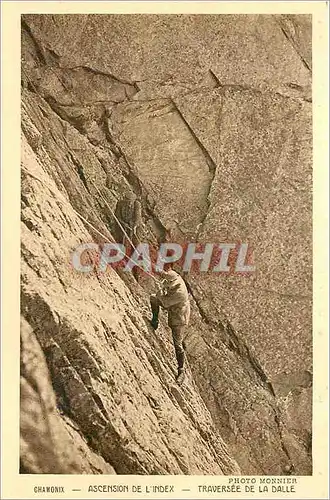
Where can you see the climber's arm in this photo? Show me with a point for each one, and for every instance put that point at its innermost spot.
(172, 298)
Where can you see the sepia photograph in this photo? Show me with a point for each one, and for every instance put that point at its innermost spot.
(166, 245)
(164, 250)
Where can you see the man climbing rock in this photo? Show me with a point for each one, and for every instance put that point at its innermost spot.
(129, 213)
(174, 298)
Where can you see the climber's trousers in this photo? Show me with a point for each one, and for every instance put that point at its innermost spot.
(155, 304)
(178, 332)
(178, 336)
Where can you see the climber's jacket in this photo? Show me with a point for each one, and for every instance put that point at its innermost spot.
(174, 297)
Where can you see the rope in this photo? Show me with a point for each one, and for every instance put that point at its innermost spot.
(100, 194)
(113, 214)
(120, 225)
(85, 220)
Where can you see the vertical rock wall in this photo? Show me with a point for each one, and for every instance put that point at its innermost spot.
(217, 108)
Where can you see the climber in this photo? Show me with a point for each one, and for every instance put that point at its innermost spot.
(128, 212)
(173, 297)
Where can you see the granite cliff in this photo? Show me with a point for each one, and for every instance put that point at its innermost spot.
(217, 108)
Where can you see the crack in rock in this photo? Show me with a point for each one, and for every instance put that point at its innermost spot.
(286, 32)
(210, 162)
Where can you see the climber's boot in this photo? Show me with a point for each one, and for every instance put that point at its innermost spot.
(180, 376)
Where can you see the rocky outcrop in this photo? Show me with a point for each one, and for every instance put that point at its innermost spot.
(165, 105)
(51, 442)
(114, 378)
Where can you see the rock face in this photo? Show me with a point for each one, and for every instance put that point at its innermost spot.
(208, 120)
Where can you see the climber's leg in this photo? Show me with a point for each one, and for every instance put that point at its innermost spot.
(178, 336)
(155, 304)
